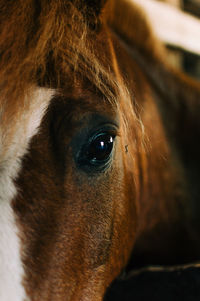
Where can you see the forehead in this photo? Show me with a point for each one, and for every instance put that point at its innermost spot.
(78, 95)
(76, 110)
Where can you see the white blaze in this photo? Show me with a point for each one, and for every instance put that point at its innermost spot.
(11, 153)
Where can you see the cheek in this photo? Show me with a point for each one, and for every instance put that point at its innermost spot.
(90, 215)
(105, 216)
(124, 218)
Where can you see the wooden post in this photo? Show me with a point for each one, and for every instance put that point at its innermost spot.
(177, 3)
(172, 26)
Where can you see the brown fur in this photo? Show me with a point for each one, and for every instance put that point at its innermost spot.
(78, 230)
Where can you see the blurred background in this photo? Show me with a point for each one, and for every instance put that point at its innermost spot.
(185, 59)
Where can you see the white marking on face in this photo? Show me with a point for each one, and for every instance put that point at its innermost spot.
(12, 149)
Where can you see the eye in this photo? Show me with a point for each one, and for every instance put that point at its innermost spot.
(97, 152)
(100, 148)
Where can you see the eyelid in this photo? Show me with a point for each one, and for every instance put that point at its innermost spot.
(98, 133)
(111, 129)
(102, 133)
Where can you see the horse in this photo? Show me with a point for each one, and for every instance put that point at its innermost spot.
(99, 149)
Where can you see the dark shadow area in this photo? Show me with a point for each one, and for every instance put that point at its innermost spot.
(166, 284)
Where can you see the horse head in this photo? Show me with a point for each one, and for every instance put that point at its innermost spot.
(70, 151)
(86, 165)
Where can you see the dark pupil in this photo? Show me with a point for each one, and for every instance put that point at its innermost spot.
(100, 148)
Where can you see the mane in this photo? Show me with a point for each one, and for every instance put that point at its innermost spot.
(43, 41)
(36, 34)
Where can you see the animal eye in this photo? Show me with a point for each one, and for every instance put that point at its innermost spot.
(100, 148)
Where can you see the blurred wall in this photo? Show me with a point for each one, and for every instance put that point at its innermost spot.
(183, 60)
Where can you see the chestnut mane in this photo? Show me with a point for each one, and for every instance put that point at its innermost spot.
(37, 34)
